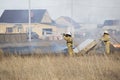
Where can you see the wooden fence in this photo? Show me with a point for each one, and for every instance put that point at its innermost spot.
(13, 37)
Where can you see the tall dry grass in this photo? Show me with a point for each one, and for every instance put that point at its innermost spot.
(92, 67)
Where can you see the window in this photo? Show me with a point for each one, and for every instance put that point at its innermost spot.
(19, 27)
(9, 30)
(47, 31)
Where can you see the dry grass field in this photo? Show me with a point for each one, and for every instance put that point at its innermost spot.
(89, 67)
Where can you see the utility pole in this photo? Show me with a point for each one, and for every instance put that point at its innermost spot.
(29, 19)
(72, 27)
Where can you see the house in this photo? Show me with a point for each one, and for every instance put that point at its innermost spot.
(111, 22)
(111, 25)
(16, 21)
(67, 24)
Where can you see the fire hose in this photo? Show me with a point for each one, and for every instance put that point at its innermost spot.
(115, 39)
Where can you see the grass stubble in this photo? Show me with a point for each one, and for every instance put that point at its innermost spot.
(88, 67)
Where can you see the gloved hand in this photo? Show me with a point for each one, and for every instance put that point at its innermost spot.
(100, 39)
(64, 34)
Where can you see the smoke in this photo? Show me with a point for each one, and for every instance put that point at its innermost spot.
(92, 11)
(35, 48)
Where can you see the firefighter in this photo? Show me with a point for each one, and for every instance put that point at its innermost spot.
(106, 40)
(69, 42)
(1, 53)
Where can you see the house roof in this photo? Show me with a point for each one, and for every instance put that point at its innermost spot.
(69, 20)
(111, 22)
(21, 16)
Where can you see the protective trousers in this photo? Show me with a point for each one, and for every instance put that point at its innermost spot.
(107, 47)
(70, 49)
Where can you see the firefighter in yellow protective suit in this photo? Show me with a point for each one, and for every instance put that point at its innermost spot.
(69, 42)
(106, 40)
(1, 53)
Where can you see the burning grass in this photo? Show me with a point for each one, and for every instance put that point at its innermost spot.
(92, 67)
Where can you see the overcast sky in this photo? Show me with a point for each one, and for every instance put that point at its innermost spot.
(94, 11)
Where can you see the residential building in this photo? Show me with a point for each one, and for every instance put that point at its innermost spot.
(67, 24)
(16, 21)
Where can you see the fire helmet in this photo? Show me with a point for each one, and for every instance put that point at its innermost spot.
(106, 32)
(69, 33)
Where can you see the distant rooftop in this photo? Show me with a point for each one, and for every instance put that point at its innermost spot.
(69, 20)
(111, 22)
(21, 16)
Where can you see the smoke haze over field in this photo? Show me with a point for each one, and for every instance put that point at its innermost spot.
(93, 11)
